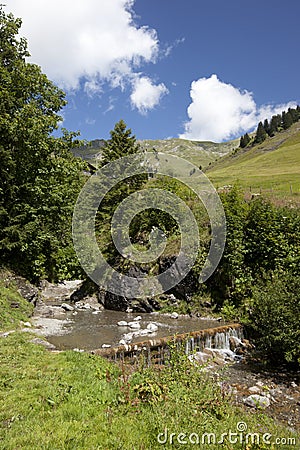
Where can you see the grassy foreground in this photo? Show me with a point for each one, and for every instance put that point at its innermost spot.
(72, 400)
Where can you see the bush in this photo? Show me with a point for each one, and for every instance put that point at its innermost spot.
(275, 317)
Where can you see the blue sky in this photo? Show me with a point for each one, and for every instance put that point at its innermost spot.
(202, 70)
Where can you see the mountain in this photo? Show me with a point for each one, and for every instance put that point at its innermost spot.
(91, 152)
(197, 152)
(200, 153)
(273, 165)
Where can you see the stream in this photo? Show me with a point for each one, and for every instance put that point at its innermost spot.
(88, 330)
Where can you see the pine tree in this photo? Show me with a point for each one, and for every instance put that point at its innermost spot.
(121, 143)
(244, 141)
(266, 126)
(287, 120)
(260, 134)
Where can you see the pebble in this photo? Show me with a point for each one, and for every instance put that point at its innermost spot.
(122, 323)
(174, 315)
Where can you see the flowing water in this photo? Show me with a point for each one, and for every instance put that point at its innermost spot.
(89, 331)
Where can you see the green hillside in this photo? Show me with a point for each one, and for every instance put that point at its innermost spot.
(273, 165)
(199, 153)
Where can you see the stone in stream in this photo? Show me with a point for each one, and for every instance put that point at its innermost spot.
(137, 318)
(152, 326)
(67, 307)
(174, 315)
(122, 323)
(257, 401)
(144, 332)
(106, 346)
(134, 325)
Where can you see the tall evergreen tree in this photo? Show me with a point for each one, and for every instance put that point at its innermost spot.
(287, 120)
(260, 134)
(266, 126)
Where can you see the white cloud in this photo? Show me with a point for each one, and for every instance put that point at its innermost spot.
(97, 40)
(220, 111)
(146, 95)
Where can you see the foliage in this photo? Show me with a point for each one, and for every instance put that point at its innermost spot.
(40, 178)
(275, 317)
(245, 140)
(260, 134)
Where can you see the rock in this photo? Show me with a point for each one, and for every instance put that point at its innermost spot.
(122, 323)
(144, 332)
(79, 350)
(67, 307)
(55, 294)
(87, 306)
(174, 315)
(257, 401)
(137, 318)
(293, 384)
(199, 357)
(254, 389)
(122, 342)
(186, 287)
(152, 327)
(45, 344)
(247, 344)
(27, 324)
(105, 345)
(84, 290)
(235, 343)
(128, 336)
(134, 325)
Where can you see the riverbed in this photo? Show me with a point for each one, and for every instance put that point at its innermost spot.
(90, 329)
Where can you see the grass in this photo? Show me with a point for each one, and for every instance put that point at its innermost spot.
(13, 308)
(273, 165)
(73, 400)
(197, 152)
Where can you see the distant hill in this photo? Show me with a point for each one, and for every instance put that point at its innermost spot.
(90, 152)
(273, 164)
(199, 153)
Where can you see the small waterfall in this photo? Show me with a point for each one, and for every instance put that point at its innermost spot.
(158, 351)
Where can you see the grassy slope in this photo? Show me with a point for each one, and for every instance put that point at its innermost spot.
(72, 401)
(273, 164)
(199, 153)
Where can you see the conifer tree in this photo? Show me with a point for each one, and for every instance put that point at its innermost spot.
(287, 120)
(260, 134)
